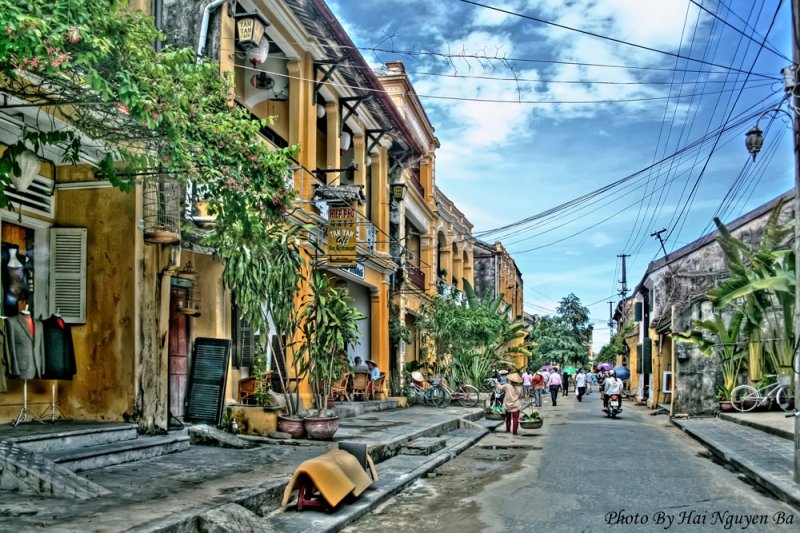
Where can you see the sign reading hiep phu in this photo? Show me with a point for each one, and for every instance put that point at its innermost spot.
(342, 236)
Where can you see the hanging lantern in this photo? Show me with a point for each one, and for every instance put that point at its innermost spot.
(29, 167)
(320, 111)
(368, 161)
(189, 279)
(250, 28)
(345, 141)
(161, 206)
(399, 191)
(258, 54)
(754, 139)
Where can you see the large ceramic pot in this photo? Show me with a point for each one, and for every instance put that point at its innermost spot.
(292, 426)
(321, 428)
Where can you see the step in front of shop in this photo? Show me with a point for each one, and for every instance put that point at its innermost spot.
(423, 446)
(69, 435)
(92, 457)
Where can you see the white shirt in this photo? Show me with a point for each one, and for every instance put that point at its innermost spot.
(580, 380)
(613, 386)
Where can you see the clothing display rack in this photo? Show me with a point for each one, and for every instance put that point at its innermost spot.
(23, 413)
(53, 407)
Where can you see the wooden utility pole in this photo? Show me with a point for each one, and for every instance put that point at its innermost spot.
(796, 103)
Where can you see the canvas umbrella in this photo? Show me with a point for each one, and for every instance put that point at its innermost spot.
(570, 370)
(547, 367)
(604, 366)
(622, 373)
(506, 362)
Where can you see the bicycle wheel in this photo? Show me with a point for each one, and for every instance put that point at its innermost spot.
(445, 397)
(433, 397)
(411, 398)
(468, 396)
(745, 398)
(784, 398)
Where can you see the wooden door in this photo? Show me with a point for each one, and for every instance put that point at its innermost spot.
(178, 352)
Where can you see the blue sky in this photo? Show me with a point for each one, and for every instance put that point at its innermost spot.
(503, 162)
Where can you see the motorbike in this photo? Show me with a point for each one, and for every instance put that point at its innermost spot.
(614, 405)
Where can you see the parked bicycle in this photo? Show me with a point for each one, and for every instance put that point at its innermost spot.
(746, 398)
(466, 395)
(415, 394)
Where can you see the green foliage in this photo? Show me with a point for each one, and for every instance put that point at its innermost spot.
(761, 288)
(717, 337)
(261, 395)
(329, 325)
(400, 332)
(576, 316)
(617, 347)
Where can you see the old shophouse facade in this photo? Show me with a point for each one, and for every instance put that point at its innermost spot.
(670, 297)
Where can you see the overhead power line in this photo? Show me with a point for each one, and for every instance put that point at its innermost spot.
(597, 35)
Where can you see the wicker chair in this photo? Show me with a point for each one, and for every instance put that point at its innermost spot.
(378, 386)
(361, 384)
(248, 387)
(340, 389)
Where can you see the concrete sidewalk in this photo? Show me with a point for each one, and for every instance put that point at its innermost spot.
(767, 460)
(772, 422)
(171, 493)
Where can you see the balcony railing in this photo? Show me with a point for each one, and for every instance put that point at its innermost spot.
(414, 180)
(415, 276)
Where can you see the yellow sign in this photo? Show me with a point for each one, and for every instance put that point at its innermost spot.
(342, 236)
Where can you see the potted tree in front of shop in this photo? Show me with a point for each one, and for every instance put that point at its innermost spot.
(329, 327)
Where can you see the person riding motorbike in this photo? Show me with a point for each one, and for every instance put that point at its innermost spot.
(612, 385)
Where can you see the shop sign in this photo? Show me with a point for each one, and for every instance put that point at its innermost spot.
(355, 270)
(342, 236)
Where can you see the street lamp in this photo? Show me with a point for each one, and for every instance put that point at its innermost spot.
(754, 139)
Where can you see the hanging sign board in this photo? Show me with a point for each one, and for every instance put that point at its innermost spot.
(342, 236)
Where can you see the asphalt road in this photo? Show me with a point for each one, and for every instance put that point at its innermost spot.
(584, 473)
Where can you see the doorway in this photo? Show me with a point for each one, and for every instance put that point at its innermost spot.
(178, 352)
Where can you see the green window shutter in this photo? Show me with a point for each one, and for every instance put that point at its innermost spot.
(647, 357)
(207, 384)
(639, 352)
(637, 312)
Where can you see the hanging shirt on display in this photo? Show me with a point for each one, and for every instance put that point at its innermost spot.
(26, 349)
(59, 353)
(5, 358)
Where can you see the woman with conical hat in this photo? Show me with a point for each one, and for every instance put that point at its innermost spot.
(511, 404)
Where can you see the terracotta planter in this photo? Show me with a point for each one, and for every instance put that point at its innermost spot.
(292, 426)
(321, 428)
(725, 405)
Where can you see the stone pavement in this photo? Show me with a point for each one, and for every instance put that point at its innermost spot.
(765, 459)
(169, 493)
(772, 422)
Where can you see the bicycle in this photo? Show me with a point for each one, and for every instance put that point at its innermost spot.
(746, 398)
(433, 396)
(466, 395)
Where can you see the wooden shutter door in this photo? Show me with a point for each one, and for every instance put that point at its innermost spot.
(207, 384)
(68, 274)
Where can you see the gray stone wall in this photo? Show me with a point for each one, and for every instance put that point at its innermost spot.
(484, 273)
(695, 376)
(182, 20)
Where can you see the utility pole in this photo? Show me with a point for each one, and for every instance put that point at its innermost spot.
(610, 321)
(796, 103)
(657, 235)
(624, 290)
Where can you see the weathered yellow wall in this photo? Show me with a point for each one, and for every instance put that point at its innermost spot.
(103, 387)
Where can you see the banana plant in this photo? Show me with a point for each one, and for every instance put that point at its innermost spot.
(713, 336)
(762, 286)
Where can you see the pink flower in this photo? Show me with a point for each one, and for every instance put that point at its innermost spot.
(73, 36)
(124, 109)
(155, 116)
(8, 30)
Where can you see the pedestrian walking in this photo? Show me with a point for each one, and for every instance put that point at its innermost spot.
(580, 384)
(511, 404)
(554, 384)
(539, 382)
(527, 378)
(565, 383)
(590, 379)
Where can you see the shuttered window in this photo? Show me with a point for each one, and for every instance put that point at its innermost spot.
(209, 375)
(244, 343)
(68, 274)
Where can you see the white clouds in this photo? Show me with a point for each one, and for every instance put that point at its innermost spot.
(600, 239)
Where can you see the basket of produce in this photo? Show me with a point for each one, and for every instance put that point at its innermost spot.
(530, 418)
(494, 413)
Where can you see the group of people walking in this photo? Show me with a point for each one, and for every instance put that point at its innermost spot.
(556, 381)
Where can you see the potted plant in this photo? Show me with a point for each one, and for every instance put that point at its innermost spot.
(329, 326)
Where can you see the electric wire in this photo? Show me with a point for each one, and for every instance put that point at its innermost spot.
(592, 34)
